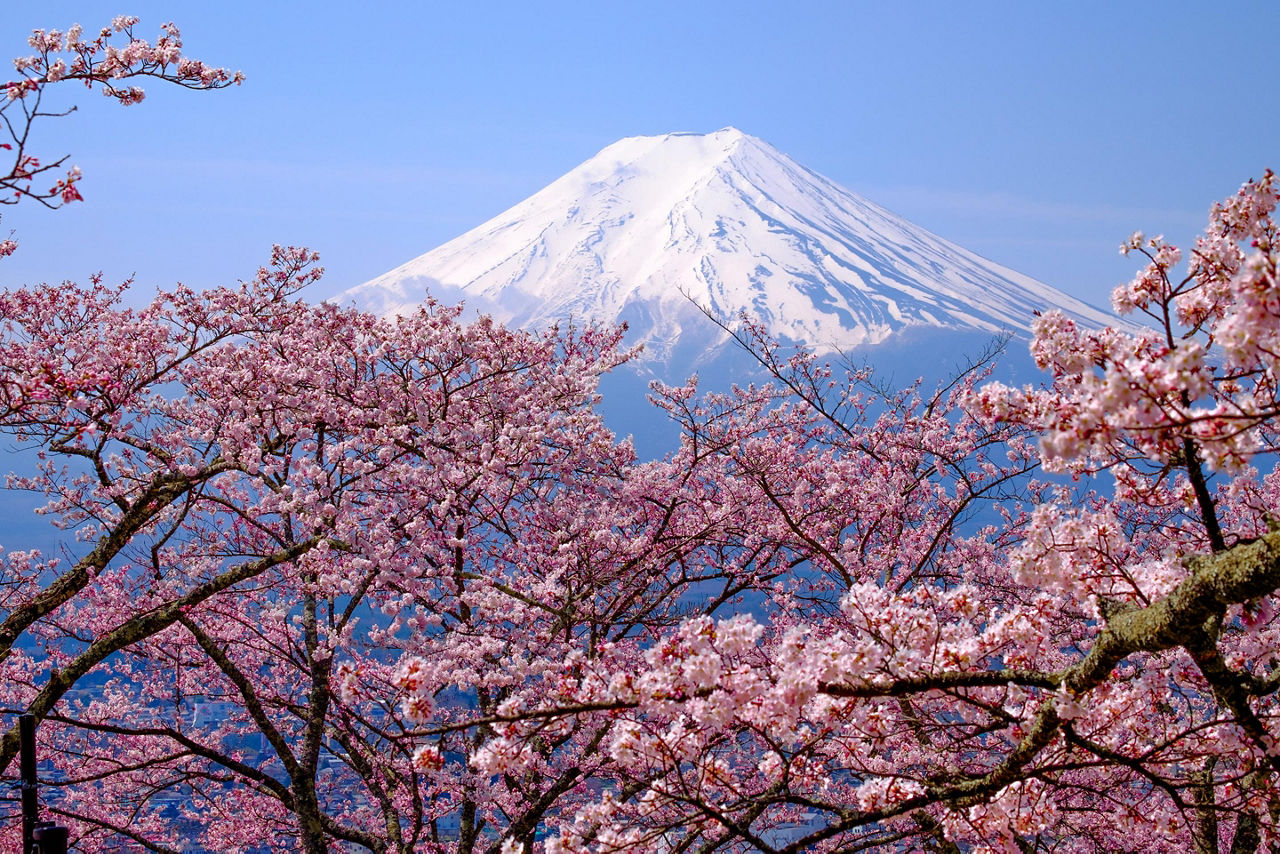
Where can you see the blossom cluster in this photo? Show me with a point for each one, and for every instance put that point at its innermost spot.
(109, 61)
(1206, 374)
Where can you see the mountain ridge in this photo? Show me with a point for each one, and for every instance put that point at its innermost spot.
(655, 229)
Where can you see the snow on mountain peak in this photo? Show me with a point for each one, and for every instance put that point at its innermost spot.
(655, 229)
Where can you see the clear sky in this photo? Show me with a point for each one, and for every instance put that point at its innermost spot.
(1037, 134)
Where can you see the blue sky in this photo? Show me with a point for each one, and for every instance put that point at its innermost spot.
(1037, 134)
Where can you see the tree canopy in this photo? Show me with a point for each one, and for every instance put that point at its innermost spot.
(331, 578)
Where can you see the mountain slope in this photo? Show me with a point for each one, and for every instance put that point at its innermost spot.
(652, 228)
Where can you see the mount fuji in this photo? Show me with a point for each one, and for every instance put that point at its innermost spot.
(657, 230)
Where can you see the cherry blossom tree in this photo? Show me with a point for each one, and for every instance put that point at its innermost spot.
(475, 514)
(424, 600)
(230, 546)
(1091, 668)
(272, 497)
(331, 579)
(509, 549)
(823, 486)
(111, 61)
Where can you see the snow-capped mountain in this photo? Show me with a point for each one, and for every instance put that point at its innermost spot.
(654, 229)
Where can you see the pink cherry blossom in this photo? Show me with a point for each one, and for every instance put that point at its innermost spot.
(330, 580)
(103, 62)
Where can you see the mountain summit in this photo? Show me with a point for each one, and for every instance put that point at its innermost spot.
(653, 229)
